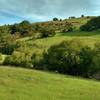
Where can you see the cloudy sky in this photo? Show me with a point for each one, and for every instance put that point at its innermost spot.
(12, 11)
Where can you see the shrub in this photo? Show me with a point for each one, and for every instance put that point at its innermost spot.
(1, 57)
(91, 25)
(86, 67)
(82, 16)
(96, 62)
(20, 58)
(68, 27)
(24, 28)
(7, 45)
(45, 32)
(55, 19)
(59, 57)
(70, 57)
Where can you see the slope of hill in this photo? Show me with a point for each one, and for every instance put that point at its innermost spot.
(23, 84)
(76, 22)
(88, 38)
(79, 21)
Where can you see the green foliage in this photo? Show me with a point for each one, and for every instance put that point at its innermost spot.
(45, 32)
(20, 57)
(5, 29)
(86, 67)
(91, 25)
(7, 44)
(72, 58)
(82, 16)
(24, 28)
(69, 57)
(1, 57)
(55, 19)
(67, 27)
(96, 61)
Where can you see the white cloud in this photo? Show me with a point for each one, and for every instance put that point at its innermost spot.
(35, 10)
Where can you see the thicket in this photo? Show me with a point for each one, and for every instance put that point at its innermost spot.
(91, 25)
(20, 57)
(69, 57)
(72, 58)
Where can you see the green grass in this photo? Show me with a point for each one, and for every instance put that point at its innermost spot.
(24, 84)
(77, 22)
(88, 38)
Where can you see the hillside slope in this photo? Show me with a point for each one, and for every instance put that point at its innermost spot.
(23, 84)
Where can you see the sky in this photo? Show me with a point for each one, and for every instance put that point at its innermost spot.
(13, 11)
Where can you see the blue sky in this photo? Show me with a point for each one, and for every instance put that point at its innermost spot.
(12, 11)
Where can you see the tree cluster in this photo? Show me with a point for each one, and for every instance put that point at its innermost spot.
(72, 58)
(91, 25)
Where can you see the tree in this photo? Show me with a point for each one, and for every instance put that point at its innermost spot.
(91, 25)
(24, 28)
(86, 62)
(20, 58)
(66, 27)
(82, 16)
(46, 32)
(7, 44)
(55, 19)
(14, 28)
(71, 57)
(63, 58)
(72, 17)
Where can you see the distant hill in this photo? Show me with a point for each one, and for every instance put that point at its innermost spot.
(77, 22)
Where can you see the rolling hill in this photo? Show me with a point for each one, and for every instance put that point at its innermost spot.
(24, 84)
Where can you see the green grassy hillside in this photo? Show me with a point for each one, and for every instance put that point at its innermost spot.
(77, 22)
(23, 84)
(88, 38)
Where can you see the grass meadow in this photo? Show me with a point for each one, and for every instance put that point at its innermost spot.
(24, 84)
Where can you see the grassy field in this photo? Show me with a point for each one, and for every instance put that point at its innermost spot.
(24, 84)
(77, 22)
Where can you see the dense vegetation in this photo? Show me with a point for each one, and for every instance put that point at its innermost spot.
(67, 56)
(72, 58)
(91, 25)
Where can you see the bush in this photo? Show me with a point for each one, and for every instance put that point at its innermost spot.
(0, 56)
(72, 58)
(20, 58)
(55, 19)
(7, 45)
(86, 67)
(45, 32)
(24, 28)
(96, 61)
(68, 27)
(91, 25)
